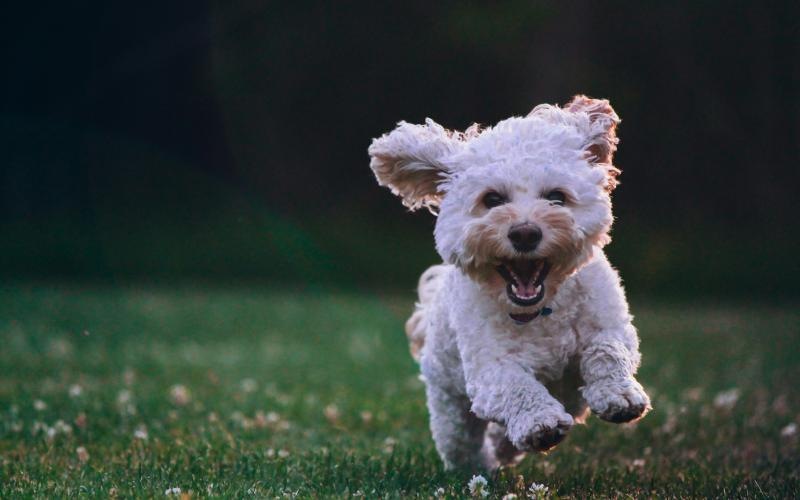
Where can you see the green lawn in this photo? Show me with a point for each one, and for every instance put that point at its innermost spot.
(250, 392)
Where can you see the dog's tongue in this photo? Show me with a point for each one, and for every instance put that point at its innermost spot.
(526, 290)
(525, 274)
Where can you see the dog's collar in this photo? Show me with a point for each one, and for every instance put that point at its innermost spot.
(522, 319)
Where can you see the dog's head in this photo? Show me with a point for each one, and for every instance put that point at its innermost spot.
(521, 205)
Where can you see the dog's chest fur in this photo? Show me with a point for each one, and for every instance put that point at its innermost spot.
(475, 325)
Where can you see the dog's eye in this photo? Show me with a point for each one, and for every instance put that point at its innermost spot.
(556, 197)
(493, 199)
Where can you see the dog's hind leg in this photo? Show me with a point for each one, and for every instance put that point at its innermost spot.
(416, 326)
(457, 432)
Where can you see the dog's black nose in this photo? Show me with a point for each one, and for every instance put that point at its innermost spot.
(525, 237)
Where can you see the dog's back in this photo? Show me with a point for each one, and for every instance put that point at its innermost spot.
(416, 326)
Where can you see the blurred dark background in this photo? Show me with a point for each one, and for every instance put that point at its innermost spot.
(226, 141)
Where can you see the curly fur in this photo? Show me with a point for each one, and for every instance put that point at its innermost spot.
(498, 387)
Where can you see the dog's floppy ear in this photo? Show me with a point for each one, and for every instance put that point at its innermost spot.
(409, 160)
(602, 132)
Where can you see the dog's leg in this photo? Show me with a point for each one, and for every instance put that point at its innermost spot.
(457, 432)
(503, 388)
(609, 348)
(611, 390)
(505, 393)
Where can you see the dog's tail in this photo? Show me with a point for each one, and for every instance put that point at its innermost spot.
(417, 324)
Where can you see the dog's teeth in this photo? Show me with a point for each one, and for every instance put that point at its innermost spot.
(514, 289)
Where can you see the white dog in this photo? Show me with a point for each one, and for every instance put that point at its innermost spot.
(526, 324)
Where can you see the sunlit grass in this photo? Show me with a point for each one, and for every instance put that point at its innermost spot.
(234, 392)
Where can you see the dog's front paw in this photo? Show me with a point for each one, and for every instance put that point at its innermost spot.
(617, 401)
(540, 431)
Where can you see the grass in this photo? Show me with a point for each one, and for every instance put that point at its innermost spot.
(249, 392)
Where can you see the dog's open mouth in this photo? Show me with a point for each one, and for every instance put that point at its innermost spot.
(524, 280)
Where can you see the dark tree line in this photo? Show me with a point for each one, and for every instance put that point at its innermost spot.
(132, 104)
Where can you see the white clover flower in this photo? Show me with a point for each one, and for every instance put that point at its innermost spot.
(83, 455)
(141, 433)
(283, 453)
(75, 391)
(789, 431)
(726, 400)
(537, 490)
(172, 491)
(125, 402)
(510, 496)
(332, 413)
(439, 493)
(39, 405)
(389, 444)
(62, 427)
(124, 397)
(478, 486)
(248, 385)
(179, 395)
